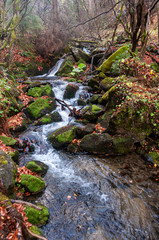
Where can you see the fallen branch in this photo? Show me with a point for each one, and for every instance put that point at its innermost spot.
(35, 235)
(26, 203)
(152, 57)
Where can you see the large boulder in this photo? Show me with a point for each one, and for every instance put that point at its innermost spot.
(107, 83)
(33, 184)
(94, 83)
(62, 137)
(106, 65)
(92, 112)
(105, 144)
(66, 68)
(38, 167)
(40, 107)
(45, 90)
(79, 53)
(70, 91)
(37, 217)
(49, 118)
(7, 172)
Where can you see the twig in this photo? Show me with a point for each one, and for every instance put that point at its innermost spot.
(152, 57)
(26, 203)
(35, 235)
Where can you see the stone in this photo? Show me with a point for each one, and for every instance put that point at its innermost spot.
(81, 102)
(37, 217)
(94, 83)
(92, 112)
(106, 65)
(8, 141)
(21, 126)
(70, 91)
(80, 54)
(49, 118)
(107, 83)
(7, 172)
(33, 184)
(36, 230)
(62, 137)
(45, 90)
(94, 99)
(41, 107)
(38, 167)
(65, 69)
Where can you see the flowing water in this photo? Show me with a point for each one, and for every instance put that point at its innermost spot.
(87, 197)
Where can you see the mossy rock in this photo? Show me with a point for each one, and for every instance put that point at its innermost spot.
(35, 230)
(45, 90)
(41, 107)
(8, 141)
(92, 112)
(107, 83)
(94, 83)
(122, 145)
(5, 200)
(62, 137)
(81, 102)
(133, 119)
(14, 155)
(106, 65)
(38, 167)
(37, 217)
(7, 172)
(80, 54)
(21, 126)
(70, 91)
(65, 69)
(32, 184)
(82, 131)
(105, 119)
(73, 148)
(81, 61)
(153, 156)
(94, 99)
(71, 80)
(49, 118)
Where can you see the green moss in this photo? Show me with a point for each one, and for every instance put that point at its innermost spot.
(36, 230)
(122, 145)
(81, 61)
(154, 156)
(14, 155)
(107, 95)
(37, 217)
(8, 141)
(40, 91)
(46, 119)
(33, 184)
(5, 200)
(96, 108)
(33, 167)
(107, 83)
(108, 62)
(40, 107)
(65, 69)
(66, 136)
(3, 160)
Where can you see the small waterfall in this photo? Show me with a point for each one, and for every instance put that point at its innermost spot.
(52, 72)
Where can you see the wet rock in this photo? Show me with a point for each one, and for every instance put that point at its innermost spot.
(81, 102)
(105, 119)
(38, 167)
(89, 128)
(73, 147)
(62, 137)
(106, 65)
(49, 118)
(70, 91)
(37, 217)
(94, 99)
(45, 90)
(91, 113)
(94, 83)
(14, 155)
(32, 184)
(41, 107)
(7, 172)
(105, 144)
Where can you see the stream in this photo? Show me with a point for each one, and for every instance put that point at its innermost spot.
(86, 195)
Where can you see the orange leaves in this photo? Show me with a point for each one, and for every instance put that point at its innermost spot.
(5, 148)
(15, 121)
(76, 141)
(99, 128)
(21, 209)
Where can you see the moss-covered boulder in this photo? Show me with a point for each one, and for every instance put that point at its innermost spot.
(65, 69)
(38, 167)
(80, 54)
(94, 83)
(7, 172)
(106, 65)
(92, 112)
(105, 144)
(41, 107)
(70, 91)
(49, 118)
(132, 118)
(37, 217)
(94, 99)
(105, 119)
(32, 184)
(81, 102)
(62, 137)
(14, 155)
(8, 141)
(45, 90)
(107, 83)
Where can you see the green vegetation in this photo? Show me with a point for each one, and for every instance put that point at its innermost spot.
(37, 217)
